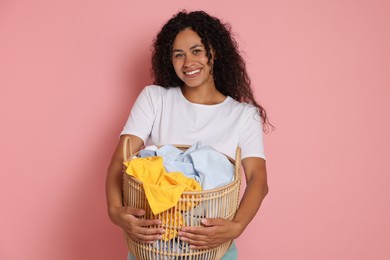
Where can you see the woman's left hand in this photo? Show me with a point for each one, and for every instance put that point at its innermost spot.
(214, 232)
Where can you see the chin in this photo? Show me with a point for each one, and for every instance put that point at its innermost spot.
(190, 85)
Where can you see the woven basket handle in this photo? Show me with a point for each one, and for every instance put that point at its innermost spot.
(127, 149)
(237, 163)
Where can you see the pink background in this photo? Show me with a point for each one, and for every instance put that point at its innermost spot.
(70, 70)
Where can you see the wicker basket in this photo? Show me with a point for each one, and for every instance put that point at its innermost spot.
(216, 203)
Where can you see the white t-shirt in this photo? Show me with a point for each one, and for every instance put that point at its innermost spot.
(164, 116)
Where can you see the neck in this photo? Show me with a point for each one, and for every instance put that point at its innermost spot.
(205, 96)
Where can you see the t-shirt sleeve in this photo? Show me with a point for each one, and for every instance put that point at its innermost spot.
(142, 115)
(251, 135)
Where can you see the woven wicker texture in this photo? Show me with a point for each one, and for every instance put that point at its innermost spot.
(190, 210)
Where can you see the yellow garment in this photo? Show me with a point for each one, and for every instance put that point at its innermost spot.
(162, 189)
(173, 221)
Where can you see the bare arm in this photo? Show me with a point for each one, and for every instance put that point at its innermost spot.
(255, 192)
(126, 217)
(218, 231)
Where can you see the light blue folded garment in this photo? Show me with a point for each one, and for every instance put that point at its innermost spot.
(203, 163)
(213, 168)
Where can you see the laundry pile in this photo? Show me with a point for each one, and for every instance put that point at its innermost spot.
(167, 172)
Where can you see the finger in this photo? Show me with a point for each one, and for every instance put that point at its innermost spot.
(148, 222)
(135, 212)
(203, 244)
(196, 230)
(150, 234)
(148, 238)
(150, 231)
(193, 247)
(144, 238)
(198, 242)
(190, 237)
(213, 222)
(147, 242)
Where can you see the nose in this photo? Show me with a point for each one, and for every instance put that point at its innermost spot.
(188, 61)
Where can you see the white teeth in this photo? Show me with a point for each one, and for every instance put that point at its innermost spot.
(191, 72)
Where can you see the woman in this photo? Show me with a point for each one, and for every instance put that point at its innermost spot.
(202, 93)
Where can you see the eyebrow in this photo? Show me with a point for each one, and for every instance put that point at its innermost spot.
(191, 48)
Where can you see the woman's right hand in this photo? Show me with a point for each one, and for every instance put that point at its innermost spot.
(129, 219)
(137, 228)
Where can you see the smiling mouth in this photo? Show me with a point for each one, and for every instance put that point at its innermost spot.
(193, 72)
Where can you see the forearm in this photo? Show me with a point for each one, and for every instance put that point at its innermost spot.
(255, 191)
(114, 187)
(114, 174)
(250, 203)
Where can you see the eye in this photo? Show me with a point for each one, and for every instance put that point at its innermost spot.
(178, 55)
(196, 51)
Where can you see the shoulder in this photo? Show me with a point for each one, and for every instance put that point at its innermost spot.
(151, 90)
(242, 107)
(156, 93)
(156, 89)
(247, 115)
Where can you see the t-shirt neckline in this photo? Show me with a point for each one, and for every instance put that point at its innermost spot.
(180, 93)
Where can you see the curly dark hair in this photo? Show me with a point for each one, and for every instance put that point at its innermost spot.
(229, 70)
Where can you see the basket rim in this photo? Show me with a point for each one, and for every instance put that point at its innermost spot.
(180, 146)
(128, 156)
(224, 187)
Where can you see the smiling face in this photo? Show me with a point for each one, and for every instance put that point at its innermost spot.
(190, 61)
